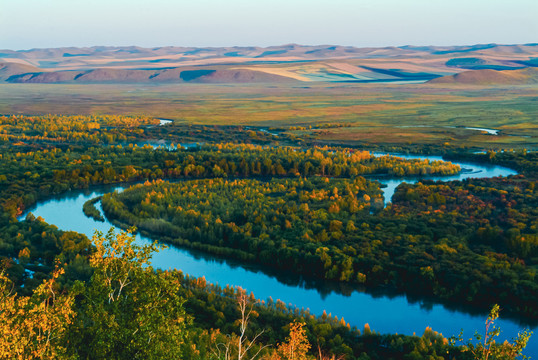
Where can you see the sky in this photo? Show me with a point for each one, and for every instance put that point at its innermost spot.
(26, 24)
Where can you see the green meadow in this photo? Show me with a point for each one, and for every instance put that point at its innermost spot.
(364, 113)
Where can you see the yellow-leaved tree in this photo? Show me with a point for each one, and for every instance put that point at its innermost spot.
(35, 327)
(297, 345)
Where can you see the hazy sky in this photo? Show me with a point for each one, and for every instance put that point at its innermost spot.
(26, 24)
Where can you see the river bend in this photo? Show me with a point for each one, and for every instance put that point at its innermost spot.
(384, 313)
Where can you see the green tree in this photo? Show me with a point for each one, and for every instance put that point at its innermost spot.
(239, 345)
(128, 310)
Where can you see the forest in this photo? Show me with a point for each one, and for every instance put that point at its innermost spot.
(479, 233)
(314, 209)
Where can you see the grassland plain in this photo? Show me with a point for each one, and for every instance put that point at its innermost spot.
(366, 113)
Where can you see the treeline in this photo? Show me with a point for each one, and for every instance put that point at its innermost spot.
(57, 129)
(28, 176)
(94, 130)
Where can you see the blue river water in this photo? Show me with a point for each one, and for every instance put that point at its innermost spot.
(385, 313)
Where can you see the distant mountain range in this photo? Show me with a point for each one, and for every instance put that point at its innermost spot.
(276, 64)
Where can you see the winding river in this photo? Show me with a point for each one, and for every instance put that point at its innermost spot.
(385, 313)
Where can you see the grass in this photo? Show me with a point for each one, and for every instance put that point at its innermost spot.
(377, 113)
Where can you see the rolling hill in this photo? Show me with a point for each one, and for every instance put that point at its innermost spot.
(276, 64)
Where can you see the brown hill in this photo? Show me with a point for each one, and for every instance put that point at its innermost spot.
(8, 69)
(485, 77)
